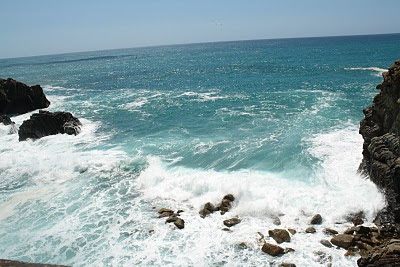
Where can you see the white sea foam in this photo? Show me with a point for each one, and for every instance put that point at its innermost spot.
(375, 69)
(336, 191)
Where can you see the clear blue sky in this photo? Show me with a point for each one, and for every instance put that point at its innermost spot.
(37, 27)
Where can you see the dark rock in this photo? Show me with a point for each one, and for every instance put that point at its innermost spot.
(289, 250)
(276, 220)
(310, 230)
(243, 245)
(180, 223)
(362, 230)
(165, 214)
(11, 263)
(5, 119)
(18, 98)
(356, 218)
(386, 255)
(231, 222)
(49, 123)
(209, 206)
(349, 231)
(229, 197)
(279, 235)
(171, 219)
(326, 243)
(284, 264)
(272, 249)
(227, 230)
(343, 241)
(316, 219)
(204, 213)
(380, 130)
(330, 231)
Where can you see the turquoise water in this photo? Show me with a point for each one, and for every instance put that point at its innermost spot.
(275, 122)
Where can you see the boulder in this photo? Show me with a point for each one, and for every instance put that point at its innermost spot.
(5, 119)
(286, 264)
(386, 255)
(180, 223)
(47, 123)
(326, 243)
(232, 222)
(279, 235)
(310, 230)
(19, 98)
(316, 219)
(330, 231)
(273, 250)
(343, 240)
(292, 231)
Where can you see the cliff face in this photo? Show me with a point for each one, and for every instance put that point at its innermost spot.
(381, 150)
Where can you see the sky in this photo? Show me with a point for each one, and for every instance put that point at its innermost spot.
(41, 27)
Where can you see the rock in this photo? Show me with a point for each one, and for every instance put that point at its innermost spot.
(5, 119)
(229, 197)
(330, 231)
(209, 206)
(380, 130)
(316, 219)
(310, 230)
(273, 250)
(165, 214)
(356, 218)
(279, 235)
(18, 98)
(288, 250)
(386, 255)
(343, 240)
(171, 219)
(231, 222)
(276, 220)
(349, 231)
(292, 231)
(284, 264)
(47, 123)
(357, 221)
(11, 263)
(349, 253)
(243, 245)
(323, 258)
(180, 223)
(227, 230)
(326, 243)
(204, 213)
(362, 230)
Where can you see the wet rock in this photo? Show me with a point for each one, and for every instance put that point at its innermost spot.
(284, 264)
(310, 230)
(243, 245)
(5, 119)
(276, 220)
(349, 253)
(227, 230)
(19, 98)
(204, 213)
(386, 255)
(288, 250)
(326, 243)
(162, 210)
(47, 123)
(316, 219)
(229, 197)
(171, 219)
(180, 223)
(279, 235)
(323, 258)
(232, 222)
(343, 240)
(349, 231)
(330, 231)
(165, 214)
(273, 250)
(356, 218)
(209, 206)
(292, 231)
(362, 230)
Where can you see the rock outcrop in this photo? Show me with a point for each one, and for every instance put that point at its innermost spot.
(381, 149)
(19, 98)
(5, 119)
(47, 123)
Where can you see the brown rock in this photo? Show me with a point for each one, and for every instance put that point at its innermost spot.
(180, 223)
(229, 197)
(310, 230)
(330, 231)
(316, 219)
(288, 250)
(231, 222)
(343, 240)
(171, 219)
(165, 214)
(279, 235)
(165, 210)
(272, 249)
(11, 263)
(284, 264)
(292, 231)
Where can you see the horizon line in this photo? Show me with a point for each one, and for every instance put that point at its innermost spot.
(194, 43)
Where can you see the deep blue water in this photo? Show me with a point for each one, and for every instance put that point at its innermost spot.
(273, 121)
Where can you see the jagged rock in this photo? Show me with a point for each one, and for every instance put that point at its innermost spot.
(386, 255)
(380, 130)
(273, 250)
(330, 231)
(316, 219)
(279, 235)
(47, 123)
(180, 223)
(292, 231)
(5, 119)
(326, 243)
(232, 222)
(310, 230)
(11, 263)
(18, 98)
(343, 240)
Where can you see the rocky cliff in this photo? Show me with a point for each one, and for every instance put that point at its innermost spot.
(381, 150)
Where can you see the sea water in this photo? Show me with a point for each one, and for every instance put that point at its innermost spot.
(273, 122)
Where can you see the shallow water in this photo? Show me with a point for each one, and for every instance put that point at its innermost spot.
(274, 122)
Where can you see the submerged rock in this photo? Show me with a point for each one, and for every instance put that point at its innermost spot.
(279, 235)
(273, 250)
(47, 123)
(19, 98)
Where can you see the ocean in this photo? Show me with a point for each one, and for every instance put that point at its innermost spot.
(273, 122)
